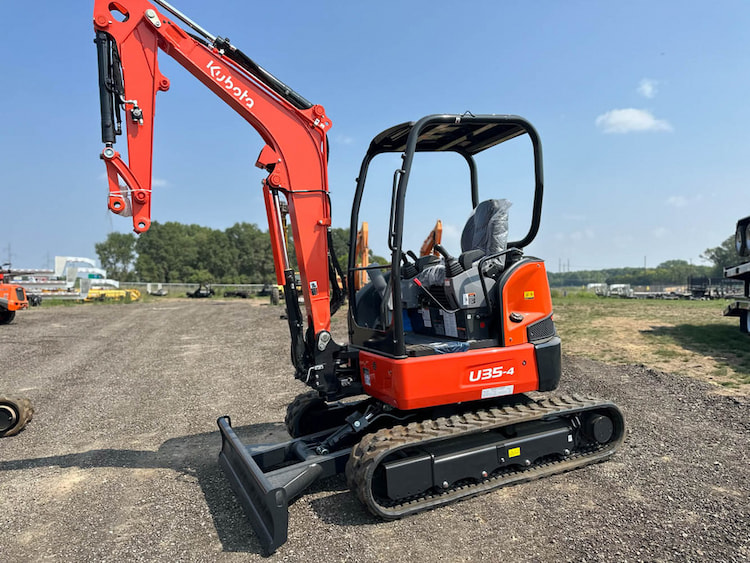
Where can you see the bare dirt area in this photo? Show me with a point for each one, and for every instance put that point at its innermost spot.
(120, 461)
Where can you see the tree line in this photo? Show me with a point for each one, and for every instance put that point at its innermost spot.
(176, 253)
(671, 272)
(173, 252)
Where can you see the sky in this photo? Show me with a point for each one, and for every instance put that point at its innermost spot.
(643, 109)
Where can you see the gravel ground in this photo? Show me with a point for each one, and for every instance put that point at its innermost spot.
(120, 461)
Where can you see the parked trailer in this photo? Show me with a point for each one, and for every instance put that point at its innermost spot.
(740, 307)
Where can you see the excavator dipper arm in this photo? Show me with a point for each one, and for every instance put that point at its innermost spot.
(129, 35)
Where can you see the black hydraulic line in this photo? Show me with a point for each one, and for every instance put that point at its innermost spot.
(106, 98)
(240, 58)
(296, 325)
(262, 74)
(338, 292)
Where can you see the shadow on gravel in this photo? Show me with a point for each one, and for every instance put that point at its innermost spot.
(341, 508)
(196, 456)
(725, 343)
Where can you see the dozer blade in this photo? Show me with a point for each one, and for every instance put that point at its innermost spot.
(267, 478)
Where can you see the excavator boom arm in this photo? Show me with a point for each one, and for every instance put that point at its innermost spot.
(129, 35)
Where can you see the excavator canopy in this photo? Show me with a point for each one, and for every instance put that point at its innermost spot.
(464, 136)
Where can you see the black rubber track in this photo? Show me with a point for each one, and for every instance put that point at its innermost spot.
(376, 447)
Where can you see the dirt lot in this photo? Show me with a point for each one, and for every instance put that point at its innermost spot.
(120, 461)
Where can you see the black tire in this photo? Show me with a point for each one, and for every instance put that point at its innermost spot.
(7, 317)
(15, 413)
(275, 295)
(301, 414)
(745, 322)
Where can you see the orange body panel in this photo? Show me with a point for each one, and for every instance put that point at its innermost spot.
(13, 297)
(526, 293)
(443, 379)
(438, 379)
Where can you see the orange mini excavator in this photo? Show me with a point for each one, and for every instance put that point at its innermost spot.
(426, 404)
(12, 298)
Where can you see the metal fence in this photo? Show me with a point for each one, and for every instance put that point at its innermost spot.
(179, 289)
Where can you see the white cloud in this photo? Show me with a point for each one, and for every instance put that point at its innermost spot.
(630, 120)
(344, 140)
(660, 232)
(451, 236)
(677, 201)
(576, 236)
(623, 241)
(683, 201)
(648, 88)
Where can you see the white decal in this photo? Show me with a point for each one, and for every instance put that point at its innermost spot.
(226, 80)
(497, 391)
(426, 320)
(486, 374)
(449, 323)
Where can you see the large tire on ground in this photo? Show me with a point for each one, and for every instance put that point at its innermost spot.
(6, 317)
(275, 295)
(15, 413)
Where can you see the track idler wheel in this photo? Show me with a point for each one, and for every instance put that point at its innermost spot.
(598, 428)
(15, 413)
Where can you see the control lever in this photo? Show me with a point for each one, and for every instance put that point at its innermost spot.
(452, 267)
(408, 270)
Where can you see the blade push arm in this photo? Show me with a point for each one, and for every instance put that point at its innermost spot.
(129, 34)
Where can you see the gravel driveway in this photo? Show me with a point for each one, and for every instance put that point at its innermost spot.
(120, 461)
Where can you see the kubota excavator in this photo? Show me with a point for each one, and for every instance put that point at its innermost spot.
(427, 402)
(12, 298)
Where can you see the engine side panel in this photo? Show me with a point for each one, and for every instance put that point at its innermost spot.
(442, 379)
(526, 301)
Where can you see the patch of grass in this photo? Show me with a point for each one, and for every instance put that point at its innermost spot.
(689, 337)
(669, 353)
(49, 302)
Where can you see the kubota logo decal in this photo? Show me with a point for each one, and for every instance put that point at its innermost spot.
(218, 74)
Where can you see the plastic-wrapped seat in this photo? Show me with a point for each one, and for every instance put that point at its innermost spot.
(486, 233)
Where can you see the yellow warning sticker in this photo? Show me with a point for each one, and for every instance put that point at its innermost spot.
(528, 295)
(514, 452)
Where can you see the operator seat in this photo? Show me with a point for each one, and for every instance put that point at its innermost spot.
(485, 233)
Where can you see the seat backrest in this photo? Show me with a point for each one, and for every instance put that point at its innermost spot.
(486, 229)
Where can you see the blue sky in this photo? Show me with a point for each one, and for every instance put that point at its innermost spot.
(643, 110)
